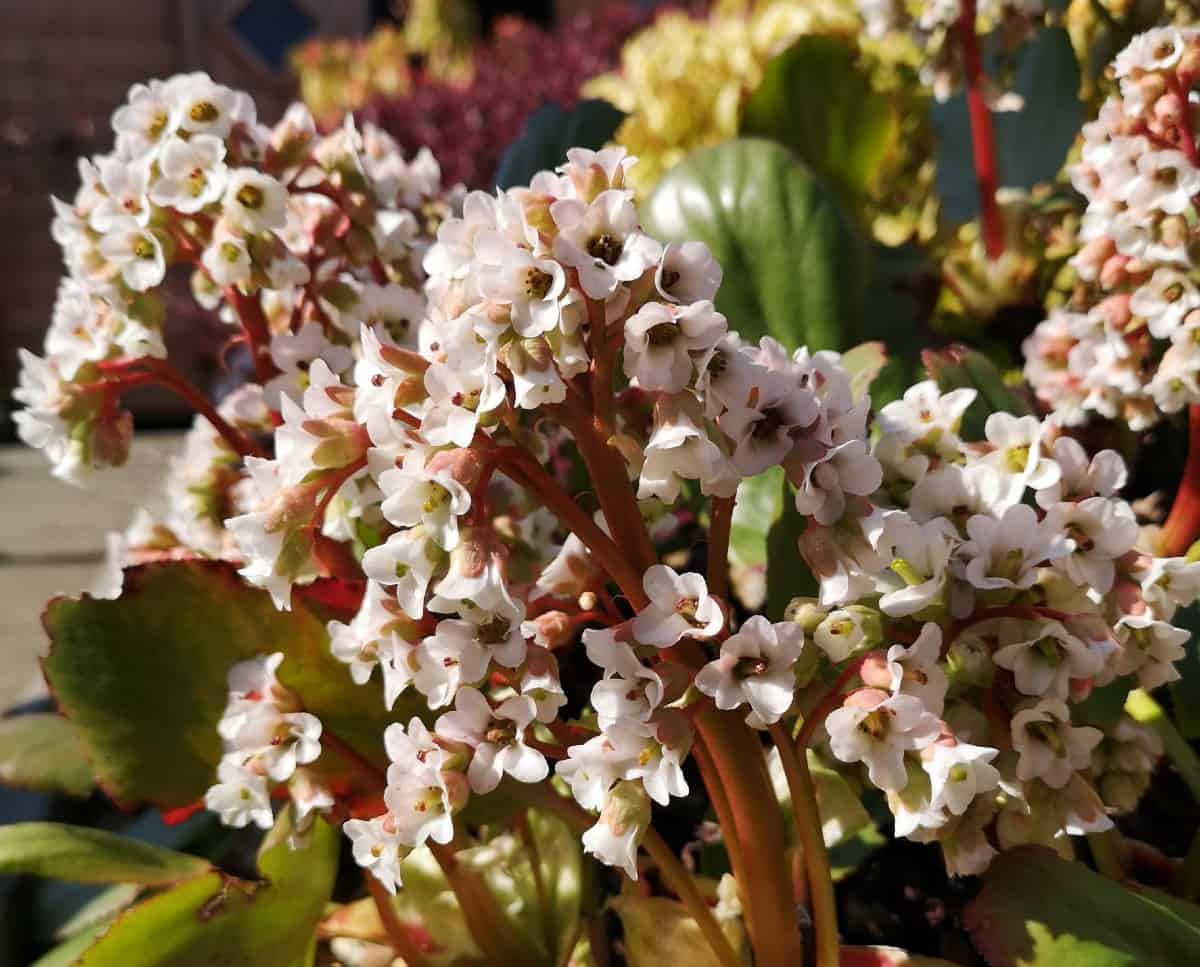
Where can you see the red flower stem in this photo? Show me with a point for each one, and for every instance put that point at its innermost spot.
(258, 332)
(736, 764)
(332, 486)
(494, 933)
(1182, 526)
(823, 904)
(529, 473)
(983, 138)
(719, 526)
(159, 372)
(397, 932)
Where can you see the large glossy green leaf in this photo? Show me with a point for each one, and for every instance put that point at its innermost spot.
(1031, 143)
(1038, 910)
(85, 855)
(549, 132)
(794, 265)
(41, 752)
(142, 678)
(814, 99)
(215, 920)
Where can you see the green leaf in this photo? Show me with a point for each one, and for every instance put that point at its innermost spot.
(550, 132)
(661, 931)
(793, 263)
(756, 508)
(1031, 143)
(213, 919)
(864, 363)
(41, 752)
(142, 678)
(84, 855)
(817, 101)
(1185, 692)
(788, 576)
(959, 367)
(1038, 910)
(67, 953)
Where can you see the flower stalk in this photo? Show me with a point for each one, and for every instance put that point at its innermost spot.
(822, 902)
(983, 138)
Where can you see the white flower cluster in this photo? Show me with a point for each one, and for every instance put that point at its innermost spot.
(1127, 346)
(297, 236)
(268, 739)
(1005, 580)
(531, 293)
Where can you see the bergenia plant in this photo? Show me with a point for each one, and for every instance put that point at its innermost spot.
(450, 571)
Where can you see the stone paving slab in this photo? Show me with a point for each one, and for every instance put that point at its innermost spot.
(52, 539)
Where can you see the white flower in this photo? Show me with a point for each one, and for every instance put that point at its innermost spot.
(280, 742)
(192, 173)
(916, 671)
(434, 499)
(1006, 552)
(602, 242)
(295, 352)
(458, 396)
(403, 560)
(924, 411)
(1048, 746)
(678, 449)
(532, 287)
(448, 659)
(688, 273)
(149, 115)
(125, 195)
(840, 634)
(960, 772)
(661, 342)
(1150, 649)
(1102, 476)
(623, 822)
(755, 669)
(1018, 453)
(680, 607)
(918, 565)
(876, 728)
(498, 738)
(377, 848)
(1165, 180)
(240, 796)
(762, 429)
(204, 107)
(419, 802)
(845, 469)
(1169, 583)
(373, 638)
(1164, 300)
(226, 259)
(590, 769)
(136, 252)
(254, 201)
(1098, 530)
(1045, 663)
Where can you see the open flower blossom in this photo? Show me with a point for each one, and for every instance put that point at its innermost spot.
(1124, 347)
(435, 373)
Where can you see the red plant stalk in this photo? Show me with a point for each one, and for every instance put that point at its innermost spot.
(983, 138)
(1182, 526)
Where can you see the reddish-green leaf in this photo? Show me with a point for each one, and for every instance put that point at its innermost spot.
(142, 678)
